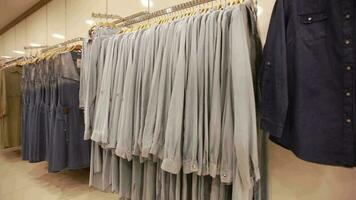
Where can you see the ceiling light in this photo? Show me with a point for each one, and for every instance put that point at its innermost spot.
(147, 3)
(58, 36)
(90, 22)
(6, 57)
(18, 52)
(34, 45)
(259, 10)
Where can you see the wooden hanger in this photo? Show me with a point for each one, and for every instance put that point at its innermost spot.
(219, 6)
(75, 47)
(193, 11)
(207, 8)
(160, 20)
(102, 24)
(235, 2)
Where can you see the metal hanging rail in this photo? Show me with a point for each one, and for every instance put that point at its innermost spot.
(131, 17)
(78, 39)
(106, 16)
(13, 61)
(118, 22)
(35, 47)
(144, 15)
(165, 11)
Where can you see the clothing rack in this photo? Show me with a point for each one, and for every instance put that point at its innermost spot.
(114, 23)
(106, 16)
(35, 47)
(169, 10)
(78, 39)
(131, 17)
(13, 61)
(263, 189)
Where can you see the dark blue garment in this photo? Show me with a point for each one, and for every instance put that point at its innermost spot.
(42, 112)
(307, 80)
(37, 138)
(52, 111)
(53, 125)
(26, 81)
(68, 148)
(33, 126)
(47, 102)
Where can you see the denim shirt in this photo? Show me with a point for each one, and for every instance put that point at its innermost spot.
(307, 80)
(245, 128)
(151, 114)
(92, 80)
(101, 120)
(179, 110)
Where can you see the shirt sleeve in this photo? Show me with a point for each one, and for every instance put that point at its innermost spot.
(245, 122)
(172, 160)
(273, 77)
(101, 123)
(90, 89)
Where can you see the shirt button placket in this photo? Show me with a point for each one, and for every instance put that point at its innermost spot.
(349, 136)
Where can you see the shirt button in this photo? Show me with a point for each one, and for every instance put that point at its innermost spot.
(347, 16)
(347, 42)
(268, 65)
(348, 121)
(348, 68)
(224, 175)
(194, 166)
(310, 19)
(348, 94)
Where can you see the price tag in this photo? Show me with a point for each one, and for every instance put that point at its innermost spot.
(79, 63)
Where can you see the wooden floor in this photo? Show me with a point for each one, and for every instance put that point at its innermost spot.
(20, 180)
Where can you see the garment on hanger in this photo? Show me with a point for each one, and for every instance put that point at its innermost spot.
(307, 80)
(53, 124)
(171, 108)
(10, 106)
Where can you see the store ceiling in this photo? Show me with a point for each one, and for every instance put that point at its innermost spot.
(11, 9)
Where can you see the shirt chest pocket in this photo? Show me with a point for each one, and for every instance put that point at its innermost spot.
(313, 19)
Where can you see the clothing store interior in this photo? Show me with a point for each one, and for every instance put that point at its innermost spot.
(177, 100)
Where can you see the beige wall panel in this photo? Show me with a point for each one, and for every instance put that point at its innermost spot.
(264, 12)
(2, 53)
(294, 179)
(125, 8)
(2, 45)
(78, 11)
(56, 21)
(163, 4)
(20, 40)
(9, 42)
(37, 27)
